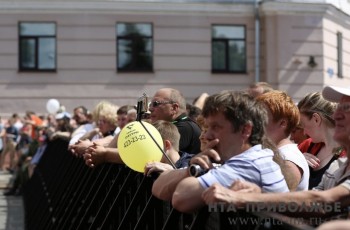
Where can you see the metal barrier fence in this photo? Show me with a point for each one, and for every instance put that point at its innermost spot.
(64, 193)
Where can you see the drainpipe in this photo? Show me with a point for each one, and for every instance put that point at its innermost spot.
(257, 40)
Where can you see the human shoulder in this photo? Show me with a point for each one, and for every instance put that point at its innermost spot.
(255, 153)
(183, 119)
(346, 184)
(292, 153)
(184, 159)
(338, 163)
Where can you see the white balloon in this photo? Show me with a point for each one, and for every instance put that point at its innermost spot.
(52, 106)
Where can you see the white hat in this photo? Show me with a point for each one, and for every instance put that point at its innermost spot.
(334, 93)
(62, 115)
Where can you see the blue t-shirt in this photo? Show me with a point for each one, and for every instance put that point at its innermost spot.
(13, 132)
(184, 160)
(254, 165)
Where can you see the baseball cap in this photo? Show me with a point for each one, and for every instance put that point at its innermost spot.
(335, 93)
(62, 115)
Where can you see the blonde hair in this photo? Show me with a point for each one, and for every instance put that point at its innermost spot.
(315, 103)
(169, 132)
(106, 110)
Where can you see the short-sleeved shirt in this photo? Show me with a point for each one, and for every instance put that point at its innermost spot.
(290, 152)
(254, 165)
(189, 134)
(12, 133)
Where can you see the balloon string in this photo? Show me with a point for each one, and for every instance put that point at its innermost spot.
(166, 156)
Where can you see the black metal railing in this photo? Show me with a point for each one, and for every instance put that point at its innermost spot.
(63, 193)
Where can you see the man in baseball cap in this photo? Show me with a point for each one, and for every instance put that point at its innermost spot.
(335, 93)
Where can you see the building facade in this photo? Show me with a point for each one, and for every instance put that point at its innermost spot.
(81, 52)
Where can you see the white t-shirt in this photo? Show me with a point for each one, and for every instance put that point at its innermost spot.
(290, 152)
(116, 131)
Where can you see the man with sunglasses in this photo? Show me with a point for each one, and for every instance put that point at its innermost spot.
(170, 105)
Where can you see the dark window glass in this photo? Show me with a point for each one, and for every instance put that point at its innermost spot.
(134, 47)
(37, 46)
(228, 49)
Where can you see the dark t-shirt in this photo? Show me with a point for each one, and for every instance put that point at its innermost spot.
(190, 132)
(184, 160)
(12, 132)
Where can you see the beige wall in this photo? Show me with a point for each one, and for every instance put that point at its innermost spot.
(294, 32)
(86, 60)
(86, 51)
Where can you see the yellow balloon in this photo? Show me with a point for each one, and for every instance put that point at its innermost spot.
(136, 147)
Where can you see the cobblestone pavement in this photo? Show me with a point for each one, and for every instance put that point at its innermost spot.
(11, 207)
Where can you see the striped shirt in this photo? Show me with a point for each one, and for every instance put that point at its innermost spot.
(254, 165)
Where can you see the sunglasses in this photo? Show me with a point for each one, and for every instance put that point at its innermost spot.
(158, 103)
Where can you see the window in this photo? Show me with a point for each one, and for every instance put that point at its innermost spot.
(228, 49)
(340, 54)
(134, 47)
(37, 46)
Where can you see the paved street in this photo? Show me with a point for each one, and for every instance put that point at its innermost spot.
(11, 207)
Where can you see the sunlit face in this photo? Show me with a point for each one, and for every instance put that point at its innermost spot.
(104, 125)
(202, 139)
(230, 142)
(122, 120)
(131, 117)
(311, 127)
(342, 122)
(164, 110)
(297, 135)
(273, 128)
(79, 116)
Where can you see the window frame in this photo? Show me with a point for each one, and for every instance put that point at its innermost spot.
(21, 68)
(118, 37)
(340, 54)
(227, 51)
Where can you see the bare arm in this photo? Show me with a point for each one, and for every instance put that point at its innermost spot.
(165, 185)
(114, 142)
(104, 141)
(295, 174)
(305, 199)
(91, 134)
(335, 224)
(201, 99)
(187, 196)
(98, 154)
(112, 156)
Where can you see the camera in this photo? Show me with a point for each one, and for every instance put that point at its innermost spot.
(196, 170)
(142, 106)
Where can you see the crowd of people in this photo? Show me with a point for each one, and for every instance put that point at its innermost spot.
(256, 141)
